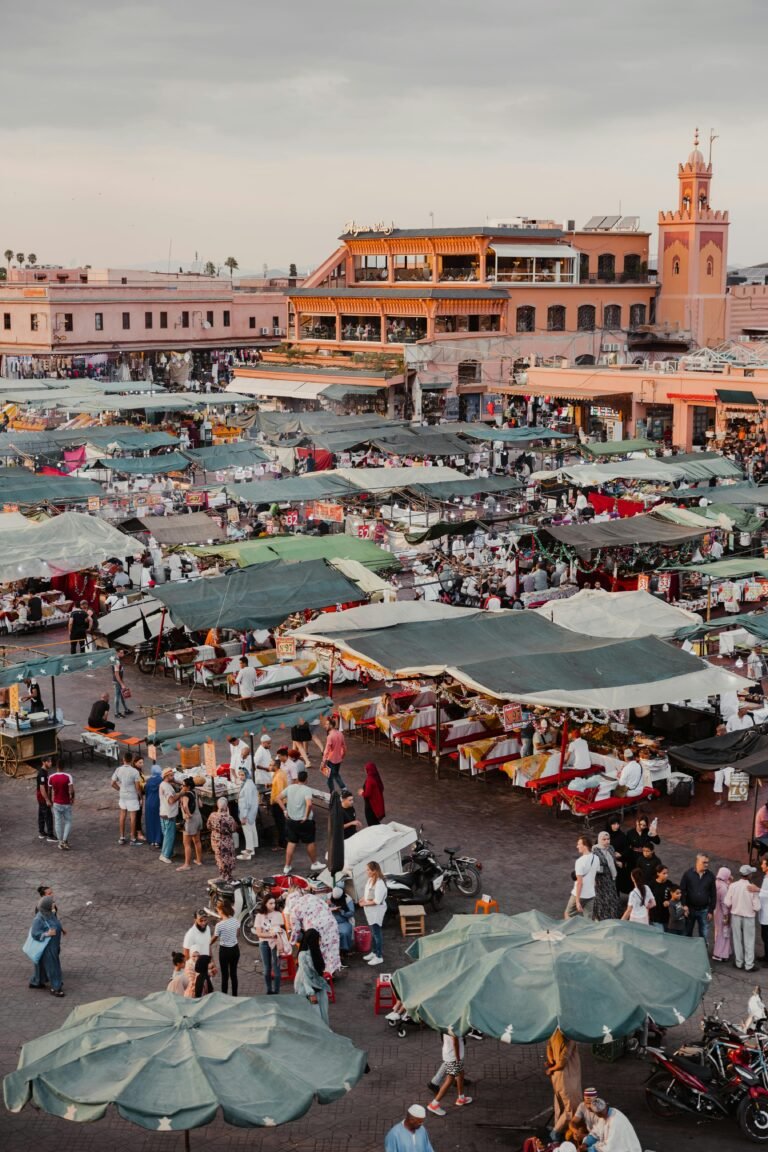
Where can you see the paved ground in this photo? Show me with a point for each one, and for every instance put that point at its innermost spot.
(124, 913)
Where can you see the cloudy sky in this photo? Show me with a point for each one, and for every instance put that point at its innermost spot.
(255, 129)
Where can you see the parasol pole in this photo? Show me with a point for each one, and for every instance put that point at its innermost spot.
(709, 599)
(186, 1140)
(53, 696)
(330, 673)
(437, 731)
(563, 746)
(159, 637)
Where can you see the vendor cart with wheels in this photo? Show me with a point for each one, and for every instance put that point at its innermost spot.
(27, 745)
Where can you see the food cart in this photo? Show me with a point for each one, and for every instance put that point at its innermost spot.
(27, 740)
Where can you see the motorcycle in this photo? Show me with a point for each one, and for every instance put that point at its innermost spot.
(681, 1085)
(426, 878)
(246, 895)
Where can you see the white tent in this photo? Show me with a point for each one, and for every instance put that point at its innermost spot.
(382, 843)
(66, 543)
(619, 614)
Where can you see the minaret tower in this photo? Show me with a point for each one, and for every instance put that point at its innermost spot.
(693, 256)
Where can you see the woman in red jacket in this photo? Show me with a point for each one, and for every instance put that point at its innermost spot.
(372, 792)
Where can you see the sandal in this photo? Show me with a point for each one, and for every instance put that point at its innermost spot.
(56, 992)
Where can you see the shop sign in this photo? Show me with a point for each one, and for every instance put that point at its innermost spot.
(363, 531)
(10, 507)
(285, 647)
(94, 503)
(14, 699)
(195, 499)
(643, 582)
(209, 757)
(513, 715)
(290, 518)
(324, 511)
(352, 228)
(738, 789)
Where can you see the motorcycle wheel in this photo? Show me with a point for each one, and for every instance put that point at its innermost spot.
(661, 1082)
(145, 662)
(752, 1116)
(248, 930)
(468, 882)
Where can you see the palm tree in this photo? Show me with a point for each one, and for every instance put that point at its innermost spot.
(8, 254)
(231, 263)
(20, 258)
(209, 269)
(31, 260)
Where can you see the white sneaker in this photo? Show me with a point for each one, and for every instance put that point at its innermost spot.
(245, 856)
(287, 870)
(369, 956)
(376, 960)
(393, 1016)
(316, 867)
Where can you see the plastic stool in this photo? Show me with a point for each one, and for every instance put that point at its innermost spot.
(485, 907)
(385, 994)
(329, 981)
(287, 967)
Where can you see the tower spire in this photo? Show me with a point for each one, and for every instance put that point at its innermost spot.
(696, 138)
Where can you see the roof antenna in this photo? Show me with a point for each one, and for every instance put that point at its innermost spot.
(712, 139)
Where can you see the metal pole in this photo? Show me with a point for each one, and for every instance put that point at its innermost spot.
(53, 695)
(330, 673)
(437, 732)
(709, 599)
(563, 746)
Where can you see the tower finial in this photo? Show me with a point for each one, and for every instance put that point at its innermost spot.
(696, 138)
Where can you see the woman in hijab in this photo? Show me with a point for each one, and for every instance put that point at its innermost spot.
(309, 980)
(372, 792)
(152, 827)
(723, 945)
(47, 926)
(622, 855)
(607, 903)
(222, 828)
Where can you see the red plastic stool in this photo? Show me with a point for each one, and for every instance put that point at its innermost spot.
(287, 967)
(385, 994)
(329, 981)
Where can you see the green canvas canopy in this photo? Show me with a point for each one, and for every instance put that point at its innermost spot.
(517, 978)
(447, 489)
(726, 569)
(168, 1063)
(755, 623)
(643, 529)
(237, 455)
(55, 666)
(240, 723)
(35, 488)
(143, 465)
(293, 549)
(522, 656)
(617, 447)
(515, 435)
(746, 495)
(295, 489)
(342, 391)
(261, 596)
(128, 441)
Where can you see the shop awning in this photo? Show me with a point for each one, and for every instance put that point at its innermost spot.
(376, 480)
(447, 489)
(422, 442)
(55, 666)
(261, 596)
(725, 569)
(294, 489)
(143, 465)
(567, 391)
(342, 391)
(535, 251)
(693, 467)
(745, 495)
(642, 529)
(278, 387)
(240, 724)
(522, 656)
(70, 542)
(192, 528)
(434, 385)
(736, 398)
(36, 488)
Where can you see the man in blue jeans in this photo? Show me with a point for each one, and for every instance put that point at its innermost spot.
(169, 806)
(334, 752)
(699, 896)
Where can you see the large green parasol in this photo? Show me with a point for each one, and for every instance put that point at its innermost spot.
(519, 977)
(169, 1064)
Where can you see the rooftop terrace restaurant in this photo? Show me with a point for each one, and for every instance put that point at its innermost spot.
(532, 264)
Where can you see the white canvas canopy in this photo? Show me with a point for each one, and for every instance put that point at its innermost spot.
(381, 616)
(66, 543)
(620, 614)
(383, 843)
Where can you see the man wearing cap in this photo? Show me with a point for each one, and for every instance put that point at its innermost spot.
(613, 1132)
(743, 902)
(584, 1119)
(409, 1135)
(169, 806)
(262, 761)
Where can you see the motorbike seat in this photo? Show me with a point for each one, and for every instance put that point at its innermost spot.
(700, 1071)
(452, 851)
(406, 878)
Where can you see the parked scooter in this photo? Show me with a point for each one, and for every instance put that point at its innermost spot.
(427, 878)
(681, 1085)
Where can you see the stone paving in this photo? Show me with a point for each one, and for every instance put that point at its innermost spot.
(124, 913)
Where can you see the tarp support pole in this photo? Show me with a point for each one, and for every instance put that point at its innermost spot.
(563, 746)
(53, 695)
(159, 639)
(437, 731)
(330, 673)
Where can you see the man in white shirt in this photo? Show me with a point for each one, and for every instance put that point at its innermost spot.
(239, 757)
(630, 776)
(582, 896)
(510, 586)
(169, 802)
(716, 550)
(579, 757)
(126, 780)
(763, 913)
(246, 680)
(198, 937)
(262, 762)
(742, 719)
(614, 1131)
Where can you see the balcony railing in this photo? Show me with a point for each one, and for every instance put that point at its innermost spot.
(366, 275)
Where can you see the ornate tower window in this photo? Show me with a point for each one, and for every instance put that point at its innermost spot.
(676, 266)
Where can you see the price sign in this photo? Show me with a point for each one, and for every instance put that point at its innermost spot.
(643, 582)
(285, 646)
(738, 789)
(209, 757)
(513, 715)
(363, 531)
(14, 698)
(94, 503)
(291, 517)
